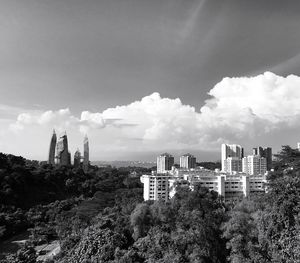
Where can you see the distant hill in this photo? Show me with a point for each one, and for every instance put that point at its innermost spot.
(118, 164)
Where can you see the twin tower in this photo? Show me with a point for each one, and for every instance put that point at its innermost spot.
(59, 152)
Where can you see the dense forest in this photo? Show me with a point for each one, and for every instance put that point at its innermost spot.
(100, 216)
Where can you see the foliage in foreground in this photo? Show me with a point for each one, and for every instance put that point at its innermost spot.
(194, 226)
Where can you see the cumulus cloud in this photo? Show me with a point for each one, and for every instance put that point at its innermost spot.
(266, 99)
(61, 119)
(238, 110)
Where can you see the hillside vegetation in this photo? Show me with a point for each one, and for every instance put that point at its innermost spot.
(100, 217)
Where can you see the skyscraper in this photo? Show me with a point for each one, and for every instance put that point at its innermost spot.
(187, 161)
(86, 154)
(77, 158)
(231, 150)
(63, 155)
(164, 162)
(51, 158)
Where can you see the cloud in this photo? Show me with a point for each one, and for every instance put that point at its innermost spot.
(266, 97)
(246, 110)
(61, 120)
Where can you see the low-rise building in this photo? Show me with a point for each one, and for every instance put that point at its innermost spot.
(231, 186)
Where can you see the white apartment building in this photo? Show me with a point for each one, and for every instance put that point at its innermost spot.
(298, 146)
(164, 163)
(232, 164)
(230, 150)
(187, 161)
(232, 187)
(156, 186)
(254, 165)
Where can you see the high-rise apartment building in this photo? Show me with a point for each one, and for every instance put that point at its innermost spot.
(77, 159)
(187, 161)
(51, 158)
(156, 186)
(86, 154)
(230, 150)
(298, 146)
(232, 164)
(265, 152)
(164, 162)
(254, 165)
(63, 155)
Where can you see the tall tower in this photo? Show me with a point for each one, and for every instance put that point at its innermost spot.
(63, 155)
(86, 153)
(51, 158)
(77, 158)
(266, 153)
(164, 162)
(187, 161)
(254, 165)
(231, 150)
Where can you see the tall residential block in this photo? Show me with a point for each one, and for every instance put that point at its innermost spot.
(187, 161)
(51, 158)
(232, 164)
(86, 153)
(298, 146)
(63, 155)
(254, 165)
(230, 150)
(156, 186)
(164, 162)
(265, 152)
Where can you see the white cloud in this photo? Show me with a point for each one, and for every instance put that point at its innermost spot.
(267, 99)
(247, 110)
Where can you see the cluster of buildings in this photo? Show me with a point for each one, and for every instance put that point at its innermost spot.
(59, 152)
(241, 176)
(233, 159)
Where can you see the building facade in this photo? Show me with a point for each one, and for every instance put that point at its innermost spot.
(265, 152)
(187, 161)
(51, 158)
(232, 187)
(164, 163)
(254, 165)
(77, 159)
(230, 150)
(232, 165)
(62, 150)
(156, 186)
(86, 153)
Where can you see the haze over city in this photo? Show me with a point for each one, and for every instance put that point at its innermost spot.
(144, 77)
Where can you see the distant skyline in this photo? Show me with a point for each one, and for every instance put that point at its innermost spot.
(115, 68)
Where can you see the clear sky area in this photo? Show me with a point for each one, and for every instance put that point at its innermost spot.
(142, 77)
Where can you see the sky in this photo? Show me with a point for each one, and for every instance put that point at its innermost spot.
(141, 77)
